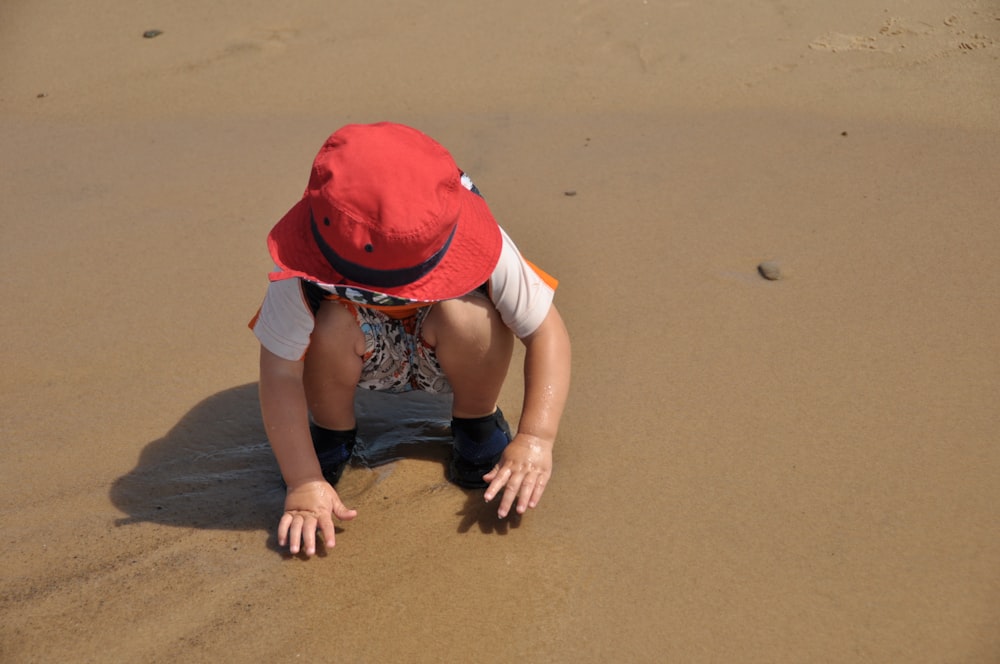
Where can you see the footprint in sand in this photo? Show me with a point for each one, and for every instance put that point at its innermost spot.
(260, 41)
(359, 481)
(922, 41)
(274, 39)
(837, 42)
(269, 40)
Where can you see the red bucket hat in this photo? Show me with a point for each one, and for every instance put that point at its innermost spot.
(387, 211)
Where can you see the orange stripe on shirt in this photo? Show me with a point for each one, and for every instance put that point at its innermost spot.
(552, 282)
(398, 312)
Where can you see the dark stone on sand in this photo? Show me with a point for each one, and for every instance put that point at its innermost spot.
(149, 34)
(570, 192)
(770, 270)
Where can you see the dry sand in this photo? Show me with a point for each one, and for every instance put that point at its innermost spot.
(801, 470)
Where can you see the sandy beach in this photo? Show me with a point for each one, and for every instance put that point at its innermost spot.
(749, 470)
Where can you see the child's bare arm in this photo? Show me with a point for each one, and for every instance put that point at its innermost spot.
(310, 500)
(526, 465)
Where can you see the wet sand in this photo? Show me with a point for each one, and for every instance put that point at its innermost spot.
(799, 470)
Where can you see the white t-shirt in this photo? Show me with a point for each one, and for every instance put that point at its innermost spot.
(521, 293)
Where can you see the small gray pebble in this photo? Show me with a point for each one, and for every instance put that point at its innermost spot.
(770, 270)
(149, 34)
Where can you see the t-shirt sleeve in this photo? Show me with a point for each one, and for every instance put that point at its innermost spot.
(519, 291)
(285, 322)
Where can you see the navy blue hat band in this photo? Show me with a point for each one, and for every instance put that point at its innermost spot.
(368, 276)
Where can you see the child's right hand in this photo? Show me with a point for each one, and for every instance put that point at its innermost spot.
(308, 506)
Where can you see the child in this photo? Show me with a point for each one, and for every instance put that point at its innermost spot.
(391, 274)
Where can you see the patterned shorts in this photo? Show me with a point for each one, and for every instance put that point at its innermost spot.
(396, 358)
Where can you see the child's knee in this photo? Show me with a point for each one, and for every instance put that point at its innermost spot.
(469, 317)
(336, 331)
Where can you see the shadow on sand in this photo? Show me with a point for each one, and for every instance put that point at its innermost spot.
(214, 469)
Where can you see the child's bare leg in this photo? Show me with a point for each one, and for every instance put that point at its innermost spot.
(473, 347)
(333, 367)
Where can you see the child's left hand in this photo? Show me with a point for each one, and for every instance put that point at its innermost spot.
(523, 471)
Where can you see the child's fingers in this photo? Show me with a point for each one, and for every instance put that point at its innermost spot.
(509, 494)
(497, 481)
(342, 512)
(327, 528)
(536, 494)
(295, 534)
(526, 491)
(283, 526)
(309, 536)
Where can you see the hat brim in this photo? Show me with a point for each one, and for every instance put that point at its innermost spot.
(468, 263)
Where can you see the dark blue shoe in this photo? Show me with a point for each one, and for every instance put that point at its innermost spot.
(478, 446)
(333, 449)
